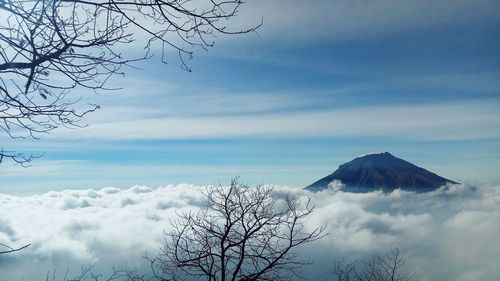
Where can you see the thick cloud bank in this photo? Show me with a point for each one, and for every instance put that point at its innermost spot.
(450, 234)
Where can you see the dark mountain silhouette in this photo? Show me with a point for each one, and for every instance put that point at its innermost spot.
(381, 171)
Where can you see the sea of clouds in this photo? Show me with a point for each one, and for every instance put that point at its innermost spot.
(449, 234)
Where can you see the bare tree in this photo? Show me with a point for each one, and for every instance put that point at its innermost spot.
(378, 268)
(243, 234)
(86, 274)
(48, 48)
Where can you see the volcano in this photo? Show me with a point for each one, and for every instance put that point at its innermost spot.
(381, 171)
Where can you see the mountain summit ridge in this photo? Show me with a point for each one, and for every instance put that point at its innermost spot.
(381, 171)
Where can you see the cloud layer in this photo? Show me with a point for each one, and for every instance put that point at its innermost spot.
(341, 19)
(449, 234)
(452, 121)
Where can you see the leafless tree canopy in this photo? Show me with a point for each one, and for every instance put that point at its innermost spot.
(48, 47)
(378, 268)
(244, 234)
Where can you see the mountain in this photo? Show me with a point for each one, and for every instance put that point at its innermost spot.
(381, 171)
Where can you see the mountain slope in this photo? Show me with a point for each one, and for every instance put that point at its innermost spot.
(381, 171)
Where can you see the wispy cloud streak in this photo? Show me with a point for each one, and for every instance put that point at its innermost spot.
(449, 121)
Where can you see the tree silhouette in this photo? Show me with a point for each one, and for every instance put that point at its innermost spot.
(86, 274)
(378, 268)
(48, 48)
(243, 234)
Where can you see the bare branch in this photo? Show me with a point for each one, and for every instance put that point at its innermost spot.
(12, 250)
(48, 48)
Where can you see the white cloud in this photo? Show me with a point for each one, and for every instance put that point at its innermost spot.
(348, 19)
(449, 234)
(450, 121)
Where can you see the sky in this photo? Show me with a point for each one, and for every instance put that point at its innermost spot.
(319, 84)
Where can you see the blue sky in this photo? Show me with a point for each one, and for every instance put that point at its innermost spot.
(319, 84)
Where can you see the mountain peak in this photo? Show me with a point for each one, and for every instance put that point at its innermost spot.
(381, 171)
